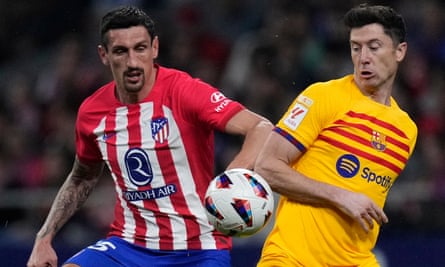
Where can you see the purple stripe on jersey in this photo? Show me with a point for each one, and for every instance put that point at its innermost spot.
(290, 138)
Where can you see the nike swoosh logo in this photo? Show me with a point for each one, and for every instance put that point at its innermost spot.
(108, 136)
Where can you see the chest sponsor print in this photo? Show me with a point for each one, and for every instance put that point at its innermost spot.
(138, 167)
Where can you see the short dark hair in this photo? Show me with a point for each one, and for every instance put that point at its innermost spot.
(364, 14)
(125, 17)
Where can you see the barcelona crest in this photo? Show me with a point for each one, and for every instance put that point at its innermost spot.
(378, 141)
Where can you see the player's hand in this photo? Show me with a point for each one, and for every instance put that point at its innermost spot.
(42, 255)
(362, 209)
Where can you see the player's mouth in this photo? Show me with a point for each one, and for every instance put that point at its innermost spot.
(366, 74)
(133, 76)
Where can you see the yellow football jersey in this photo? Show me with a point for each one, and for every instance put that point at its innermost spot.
(349, 141)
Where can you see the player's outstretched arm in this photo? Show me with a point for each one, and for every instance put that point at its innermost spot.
(273, 164)
(255, 130)
(73, 193)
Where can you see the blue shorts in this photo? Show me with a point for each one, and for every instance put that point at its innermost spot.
(115, 252)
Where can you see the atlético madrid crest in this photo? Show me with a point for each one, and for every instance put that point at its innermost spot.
(160, 129)
(378, 141)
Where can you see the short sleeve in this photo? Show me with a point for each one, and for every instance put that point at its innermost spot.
(207, 105)
(86, 144)
(307, 116)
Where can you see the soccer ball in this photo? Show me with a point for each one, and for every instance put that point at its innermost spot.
(239, 202)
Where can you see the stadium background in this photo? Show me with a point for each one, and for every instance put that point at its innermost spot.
(257, 51)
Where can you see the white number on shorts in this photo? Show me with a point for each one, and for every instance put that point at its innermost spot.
(103, 246)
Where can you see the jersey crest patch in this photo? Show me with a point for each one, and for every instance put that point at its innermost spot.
(160, 129)
(378, 141)
(295, 116)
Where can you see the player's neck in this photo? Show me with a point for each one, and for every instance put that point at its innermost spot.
(384, 100)
(380, 94)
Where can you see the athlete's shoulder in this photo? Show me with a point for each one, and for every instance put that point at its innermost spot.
(405, 119)
(102, 98)
(172, 74)
(334, 86)
(331, 91)
(175, 78)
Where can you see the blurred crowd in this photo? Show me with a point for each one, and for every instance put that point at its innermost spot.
(259, 52)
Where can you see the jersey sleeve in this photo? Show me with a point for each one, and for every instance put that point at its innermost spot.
(208, 105)
(86, 144)
(306, 116)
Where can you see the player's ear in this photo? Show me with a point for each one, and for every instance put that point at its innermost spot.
(103, 54)
(401, 51)
(155, 47)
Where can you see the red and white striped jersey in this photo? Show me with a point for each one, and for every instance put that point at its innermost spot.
(161, 156)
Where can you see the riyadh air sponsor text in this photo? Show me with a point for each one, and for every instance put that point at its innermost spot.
(153, 193)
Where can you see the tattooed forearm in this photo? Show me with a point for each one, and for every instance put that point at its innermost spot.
(70, 197)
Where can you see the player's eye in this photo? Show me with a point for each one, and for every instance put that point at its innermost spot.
(355, 48)
(119, 51)
(374, 48)
(141, 48)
